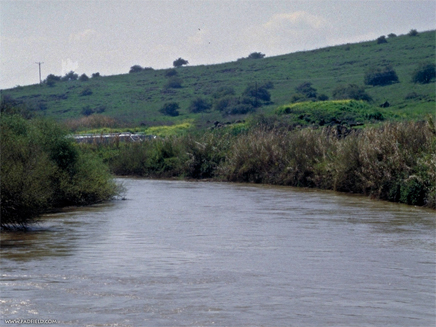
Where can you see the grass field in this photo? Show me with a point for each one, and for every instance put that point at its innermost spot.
(135, 99)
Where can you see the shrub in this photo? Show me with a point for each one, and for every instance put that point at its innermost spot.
(42, 168)
(85, 92)
(96, 75)
(350, 91)
(424, 73)
(180, 62)
(256, 55)
(170, 109)
(83, 78)
(381, 40)
(71, 76)
(135, 69)
(259, 93)
(171, 73)
(306, 89)
(392, 35)
(380, 76)
(413, 33)
(174, 83)
(199, 105)
(223, 91)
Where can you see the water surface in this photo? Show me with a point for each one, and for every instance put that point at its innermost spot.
(181, 253)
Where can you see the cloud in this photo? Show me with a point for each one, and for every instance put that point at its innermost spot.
(297, 21)
(68, 66)
(83, 36)
(287, 32)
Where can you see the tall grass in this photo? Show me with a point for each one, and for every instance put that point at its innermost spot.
(394, 161)
(41, 169)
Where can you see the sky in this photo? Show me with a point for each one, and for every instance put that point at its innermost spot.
(110, 36)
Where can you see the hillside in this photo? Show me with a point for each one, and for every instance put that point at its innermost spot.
(135, 98)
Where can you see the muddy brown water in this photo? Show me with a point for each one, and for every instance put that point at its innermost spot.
(178, 253)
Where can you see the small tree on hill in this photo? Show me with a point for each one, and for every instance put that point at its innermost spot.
(71, 76)
(256, 55)
(413, 33)
(380, 76)
(180, 62)
(136, 69)
(83, 78)
(170, 109)
(381, 40)
(424, 73)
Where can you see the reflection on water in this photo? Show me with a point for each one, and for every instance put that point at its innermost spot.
(201, 254)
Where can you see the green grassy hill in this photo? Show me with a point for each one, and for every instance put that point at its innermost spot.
(136, 98)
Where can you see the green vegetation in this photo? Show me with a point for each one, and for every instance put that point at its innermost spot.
(258, 119)
(345, 112)
(394, 161)
(132, 99)
(42, 169)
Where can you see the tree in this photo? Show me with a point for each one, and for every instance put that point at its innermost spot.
(96, 75)
(256, 55)
(180, 62)
(71, 76)
(170, 109)
(259, 93)
(424, 73)
(199, 105)
(52, 79)
(83, 78)
(382, 39)
(380, 76)
(350, 91)
(223, 91)
(135, 69)
(413, 33)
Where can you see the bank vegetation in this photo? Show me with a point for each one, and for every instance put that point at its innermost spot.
(42, 170)
(393, 161)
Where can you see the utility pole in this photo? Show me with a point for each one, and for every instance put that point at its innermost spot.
(39, 64)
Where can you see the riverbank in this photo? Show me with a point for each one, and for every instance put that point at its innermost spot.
(394, 162)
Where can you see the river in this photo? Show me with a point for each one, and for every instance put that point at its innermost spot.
(177, 253)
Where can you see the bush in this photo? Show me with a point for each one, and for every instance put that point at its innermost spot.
(171, 73)
(307, 90)
(350, 91)
(199, 105)
(170, 109)
(223, 92)
(71, 76)
(392, 35)
(135, 69)
(96, 75)
(180, 62)
(259, 93)
(256, 55)
(380, 76)
(381, 40)
(424, 73)
(413, 33)
(83, 78)
(174, 83)
(42, 168)
(85, 92)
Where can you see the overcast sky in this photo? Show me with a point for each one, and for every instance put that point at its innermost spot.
(111, 36)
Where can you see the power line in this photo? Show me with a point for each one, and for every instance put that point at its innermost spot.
(39, 64)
